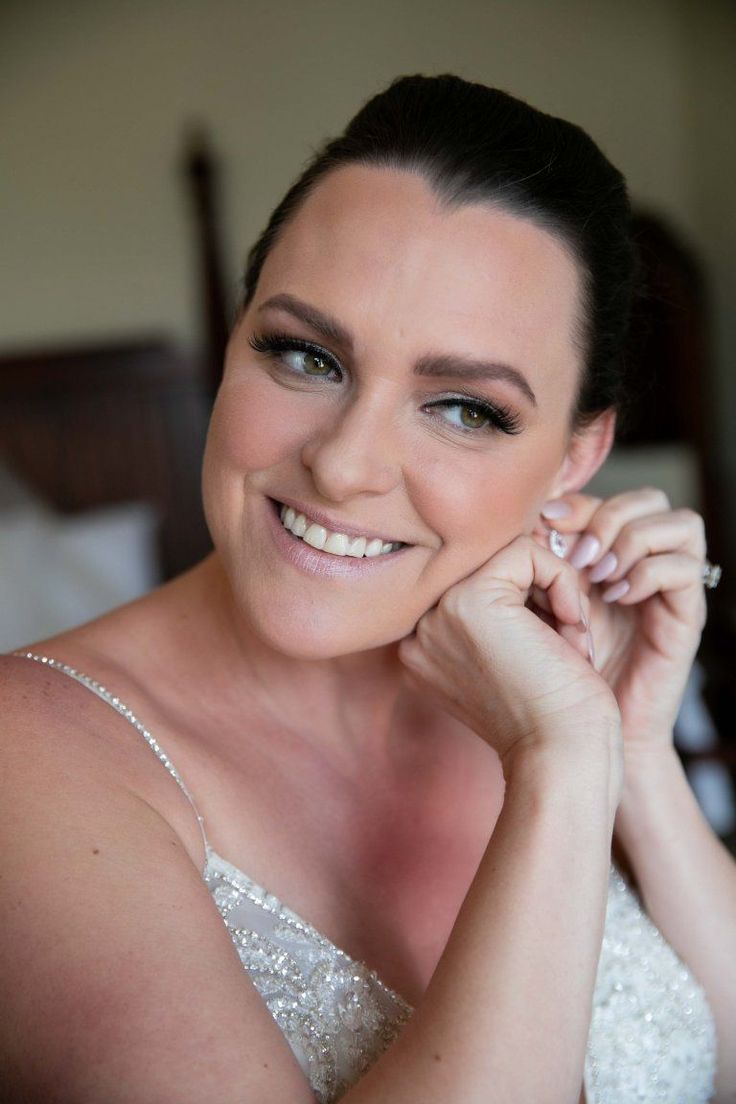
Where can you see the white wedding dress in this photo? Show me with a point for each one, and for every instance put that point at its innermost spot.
(652, 1037)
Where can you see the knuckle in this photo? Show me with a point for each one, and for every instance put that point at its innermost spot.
(524, 542)
(692, 517)
(451, 602)
(657, 495)
(641, 572)
(626, 544)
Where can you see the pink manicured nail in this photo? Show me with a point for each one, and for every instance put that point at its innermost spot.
(585, 551)
(603, 568)
(616, 591)
(591, 649)
(556, 508)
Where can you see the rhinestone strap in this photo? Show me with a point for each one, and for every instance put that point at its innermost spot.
(129, 715)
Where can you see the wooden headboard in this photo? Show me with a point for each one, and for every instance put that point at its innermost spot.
(93, 426)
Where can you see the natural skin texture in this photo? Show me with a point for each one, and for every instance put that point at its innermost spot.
(406, 277)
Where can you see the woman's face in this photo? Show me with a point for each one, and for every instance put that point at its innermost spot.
(379, 426)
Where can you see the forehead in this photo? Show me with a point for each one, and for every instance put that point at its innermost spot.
(375, 248)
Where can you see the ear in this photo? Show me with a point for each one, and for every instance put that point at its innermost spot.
(586, 453)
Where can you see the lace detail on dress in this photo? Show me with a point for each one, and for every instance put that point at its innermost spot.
(337, 1015)
(652, 1036)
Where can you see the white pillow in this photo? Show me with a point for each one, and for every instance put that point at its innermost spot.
(56, 571)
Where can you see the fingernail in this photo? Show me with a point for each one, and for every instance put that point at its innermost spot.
(585, 551)
(616, 591)
(591, 649)
(604, 568)
(556, 508)
(583, 622)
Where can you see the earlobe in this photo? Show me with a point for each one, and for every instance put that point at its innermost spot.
(586, 453)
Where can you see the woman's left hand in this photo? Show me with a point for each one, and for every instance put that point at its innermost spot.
(647, 614)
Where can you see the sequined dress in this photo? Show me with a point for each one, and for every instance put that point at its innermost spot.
(652, 1036)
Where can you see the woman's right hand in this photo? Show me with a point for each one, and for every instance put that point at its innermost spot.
(517, 677)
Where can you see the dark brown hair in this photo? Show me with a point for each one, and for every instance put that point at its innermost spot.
(475, 144)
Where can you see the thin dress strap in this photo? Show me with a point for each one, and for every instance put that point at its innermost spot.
(128, 714)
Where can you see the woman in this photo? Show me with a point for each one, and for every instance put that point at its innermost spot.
(379, 693)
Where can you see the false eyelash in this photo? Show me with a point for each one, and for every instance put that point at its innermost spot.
(501, 418)
(282, 342)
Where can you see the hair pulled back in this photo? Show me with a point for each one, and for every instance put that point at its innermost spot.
(474, 144)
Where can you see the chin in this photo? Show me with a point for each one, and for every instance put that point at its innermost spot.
(303, 632)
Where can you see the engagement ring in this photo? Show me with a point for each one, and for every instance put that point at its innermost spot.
(711, 574)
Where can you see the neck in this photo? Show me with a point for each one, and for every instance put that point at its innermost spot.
(354, 706)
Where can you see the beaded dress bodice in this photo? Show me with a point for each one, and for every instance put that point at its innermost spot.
(652, 1036)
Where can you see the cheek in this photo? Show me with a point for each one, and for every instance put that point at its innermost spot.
(478, 508)
(251, 431)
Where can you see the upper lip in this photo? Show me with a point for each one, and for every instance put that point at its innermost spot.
(334, 524)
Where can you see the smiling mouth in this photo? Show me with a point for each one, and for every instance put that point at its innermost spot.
(335, 543)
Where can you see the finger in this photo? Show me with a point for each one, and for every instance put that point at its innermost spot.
(513, 571)
(675, 575)
(570, 512)
(541, 606)
(610, 518)
(672, 531)
(538, 597)
(609, 514)
(580, 641)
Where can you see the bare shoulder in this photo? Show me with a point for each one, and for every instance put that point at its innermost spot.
(54, 728)
(117, 972)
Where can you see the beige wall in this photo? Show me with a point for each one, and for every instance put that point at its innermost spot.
(94, 97)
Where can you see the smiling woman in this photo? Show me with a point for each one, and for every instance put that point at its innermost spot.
(381, 687)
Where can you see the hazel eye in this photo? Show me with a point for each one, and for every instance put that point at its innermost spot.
(471, 417)
(464, 416)
(311, 364)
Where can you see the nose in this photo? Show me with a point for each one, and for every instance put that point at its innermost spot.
(353, 453)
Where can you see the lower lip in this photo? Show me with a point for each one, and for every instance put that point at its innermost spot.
(315, 562)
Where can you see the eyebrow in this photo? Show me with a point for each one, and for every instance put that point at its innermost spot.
(446, 365)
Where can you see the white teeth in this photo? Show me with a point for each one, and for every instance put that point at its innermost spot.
(316, 535)
(339, 544)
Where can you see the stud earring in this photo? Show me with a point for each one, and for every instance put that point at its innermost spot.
(557, 543)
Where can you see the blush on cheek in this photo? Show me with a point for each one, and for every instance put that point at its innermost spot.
(476, 512)
(253, 427)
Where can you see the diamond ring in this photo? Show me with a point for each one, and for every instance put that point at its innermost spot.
(711, 574)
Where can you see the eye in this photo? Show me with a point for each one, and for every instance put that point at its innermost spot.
(300, 357)
(474, 416)
(310, 363)
(469, 417)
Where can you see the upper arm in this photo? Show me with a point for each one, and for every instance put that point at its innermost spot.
(119, 979)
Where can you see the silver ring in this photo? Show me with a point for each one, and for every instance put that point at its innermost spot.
(557, 543)
(711, 575)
